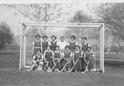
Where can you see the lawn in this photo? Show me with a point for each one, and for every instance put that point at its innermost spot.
(10, 76)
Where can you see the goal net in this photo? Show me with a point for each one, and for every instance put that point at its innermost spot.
(93, 31)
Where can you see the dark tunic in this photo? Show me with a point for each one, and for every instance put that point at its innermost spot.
(38, 62)
(48, 55)
(64, 60)
(44, 46)
(53, 46)
(72, 46)
(89, 58)
(37, 46)
(67, 56)
(84, 47)
(57, 57)
(77, 61)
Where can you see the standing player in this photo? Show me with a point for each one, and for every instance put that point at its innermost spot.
(84, 44)
(89, 59)
(44, 43)
(62, 43)
(48, 58)
(72, 43)
(53, 43)
(37, 44)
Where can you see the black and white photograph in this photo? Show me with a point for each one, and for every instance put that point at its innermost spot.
(62, 44)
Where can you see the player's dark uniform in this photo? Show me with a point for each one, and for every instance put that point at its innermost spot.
(48, 56)
(37, 60)
(44, 45)
(77, 61)
(89, 60)
(67, 61)
(53, 45)
(84, 47)
(37, 46)
(72, 45)
(57, 58)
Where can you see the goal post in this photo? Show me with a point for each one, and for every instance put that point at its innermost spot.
(23, 41)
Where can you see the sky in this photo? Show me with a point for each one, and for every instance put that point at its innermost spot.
(13, 18)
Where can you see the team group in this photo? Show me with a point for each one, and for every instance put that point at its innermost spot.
(62, 56)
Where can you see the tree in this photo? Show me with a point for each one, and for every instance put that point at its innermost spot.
(79, 17)
(6, 35)
(45, 12)
(112, 15)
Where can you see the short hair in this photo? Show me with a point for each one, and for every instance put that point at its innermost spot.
(89, 47)
(78, 46)
(67, 47)
(57, 46)
(38, 50)
(48, 45)
(45, 36)
(53, 36)
(84, 38)
(73, 36)
(38, 35)
(62, 37)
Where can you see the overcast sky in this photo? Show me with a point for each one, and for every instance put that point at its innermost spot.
(11, 16)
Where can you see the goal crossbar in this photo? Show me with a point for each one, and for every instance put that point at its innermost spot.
(81, 25)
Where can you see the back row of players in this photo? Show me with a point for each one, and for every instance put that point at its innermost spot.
(62, 56)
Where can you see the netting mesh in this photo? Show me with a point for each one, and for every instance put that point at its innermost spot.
(92, 34)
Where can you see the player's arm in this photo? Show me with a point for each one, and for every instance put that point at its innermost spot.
(44, 56)
(33, 60)
(41, 46)
(33, 46)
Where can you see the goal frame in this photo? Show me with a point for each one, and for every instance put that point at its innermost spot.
(81, 25)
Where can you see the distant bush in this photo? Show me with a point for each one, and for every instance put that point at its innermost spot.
(6, 35)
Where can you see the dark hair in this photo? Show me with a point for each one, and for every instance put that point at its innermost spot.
(78, 46)
(67, 47)
(84, 38)
(39, 50)
(89, 47)
(38, 35)
(57, 46)
(73, 36)
(45, 36)
(53, 36)
(62, 37)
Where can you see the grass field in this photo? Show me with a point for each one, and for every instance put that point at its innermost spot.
(10, 76)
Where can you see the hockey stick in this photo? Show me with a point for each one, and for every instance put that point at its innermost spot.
(87, 64)
(74, 65)
(68, 61)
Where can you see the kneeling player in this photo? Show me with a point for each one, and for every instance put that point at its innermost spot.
(48, 58)
(37, 60)
(57, 58)
(77, 61)
(66, 62)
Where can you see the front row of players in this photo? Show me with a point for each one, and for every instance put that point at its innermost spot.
(76, 61)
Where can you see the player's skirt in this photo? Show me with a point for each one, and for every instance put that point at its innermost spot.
(83, 65)
(63, 63)
(50, 63)
(69, 65)
(43, 50)
(77, 65)
(57, 65)
(36, 49)
(91, 63)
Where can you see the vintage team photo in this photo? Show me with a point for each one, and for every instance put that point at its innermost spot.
(62, 44)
